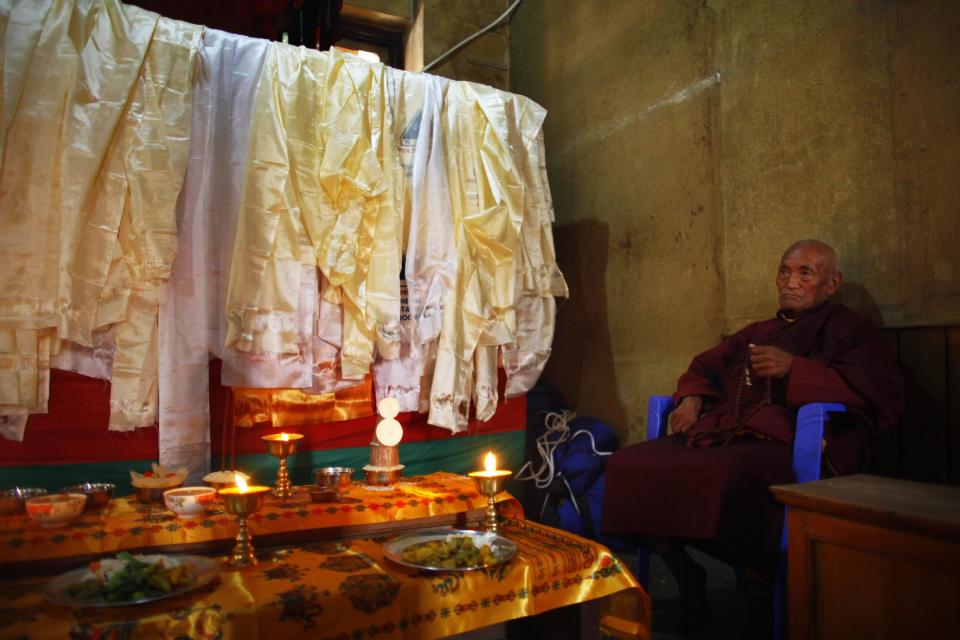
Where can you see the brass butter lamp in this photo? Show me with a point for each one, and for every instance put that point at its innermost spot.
(243, 501)
(283, 445)
(489, 483)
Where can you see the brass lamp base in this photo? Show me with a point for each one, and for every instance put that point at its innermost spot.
(281, 448)
(283, 487)
(243, 505)
(489, 484)
(243, 555)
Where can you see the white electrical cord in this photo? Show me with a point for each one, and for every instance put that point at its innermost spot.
(493, 24)
(558, 432)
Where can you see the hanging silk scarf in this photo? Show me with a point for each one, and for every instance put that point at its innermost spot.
(539, 279)
(190, 314)
(310, 175)
(487, 206)
(88, 227)
(430, 264)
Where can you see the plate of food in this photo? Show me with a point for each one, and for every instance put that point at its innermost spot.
(131, 579)
(450, 549)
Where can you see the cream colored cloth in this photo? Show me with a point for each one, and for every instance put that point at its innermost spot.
(321, 166)
(97, 104)
(487, 205)
(160, 117)
(431, 261)
(97, 100)
(539, 279)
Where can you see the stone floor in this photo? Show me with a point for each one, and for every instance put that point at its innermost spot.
(722, 595)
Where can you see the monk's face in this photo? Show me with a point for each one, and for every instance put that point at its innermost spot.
(806, 278)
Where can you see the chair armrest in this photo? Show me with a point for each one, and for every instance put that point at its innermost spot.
(808, 445)
(658, 409)
(808, 439)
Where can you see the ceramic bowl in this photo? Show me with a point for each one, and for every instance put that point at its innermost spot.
(98, 494)
(12, 500)
(189, 502)
(56, 509)
(153, 494)
(333, 478)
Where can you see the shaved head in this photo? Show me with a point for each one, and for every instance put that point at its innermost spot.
(831, 262)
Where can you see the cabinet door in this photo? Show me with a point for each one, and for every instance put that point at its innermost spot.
(852, 580)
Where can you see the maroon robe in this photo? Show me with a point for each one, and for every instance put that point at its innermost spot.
(720, 493)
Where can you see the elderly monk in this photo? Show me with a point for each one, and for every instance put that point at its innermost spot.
(732, 431)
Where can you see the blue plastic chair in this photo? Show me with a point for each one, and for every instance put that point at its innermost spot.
(807, 451)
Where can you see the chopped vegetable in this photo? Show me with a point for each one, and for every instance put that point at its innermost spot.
(130, 578)
(454, 552)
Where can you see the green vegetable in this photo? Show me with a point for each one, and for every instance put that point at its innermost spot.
(136, 580)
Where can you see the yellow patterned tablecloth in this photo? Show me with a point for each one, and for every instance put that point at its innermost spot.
(128, 524)
(349, 591)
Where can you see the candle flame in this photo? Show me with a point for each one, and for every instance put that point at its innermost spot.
(241, 483)
(490, 462)
(284, 437)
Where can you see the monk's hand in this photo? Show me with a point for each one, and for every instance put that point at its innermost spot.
(770, 362)
(686, 414)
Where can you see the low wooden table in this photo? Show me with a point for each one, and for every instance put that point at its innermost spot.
(872, 557)
(347, 589)
(322, 572)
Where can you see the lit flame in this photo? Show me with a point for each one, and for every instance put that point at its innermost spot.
(241, 483)
(284, 437)
(490, 463)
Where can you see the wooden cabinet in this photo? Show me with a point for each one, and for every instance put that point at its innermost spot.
(872, 557)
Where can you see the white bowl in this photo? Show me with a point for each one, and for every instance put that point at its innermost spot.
(189, 502)
(57, 509)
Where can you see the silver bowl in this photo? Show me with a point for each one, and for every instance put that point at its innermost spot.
(12, 501)
(382, 477)
(99, 494)
(153, 494)
(333, 478)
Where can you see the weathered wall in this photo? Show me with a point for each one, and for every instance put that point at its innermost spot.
(632, 98)
(689, 142)
(841, 120)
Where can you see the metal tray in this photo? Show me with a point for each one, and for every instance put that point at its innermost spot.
(503, 549)
(205, 569)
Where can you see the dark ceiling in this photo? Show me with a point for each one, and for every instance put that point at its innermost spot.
(313, 23)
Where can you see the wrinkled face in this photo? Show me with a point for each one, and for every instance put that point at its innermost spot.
(805, 279)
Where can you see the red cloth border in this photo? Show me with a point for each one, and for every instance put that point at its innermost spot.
(75, 429)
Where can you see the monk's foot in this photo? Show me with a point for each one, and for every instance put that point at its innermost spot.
(695, 615)
(759, 622)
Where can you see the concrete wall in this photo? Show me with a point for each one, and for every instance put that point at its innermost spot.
(690, 142)
(486, 59)
(434, 26)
